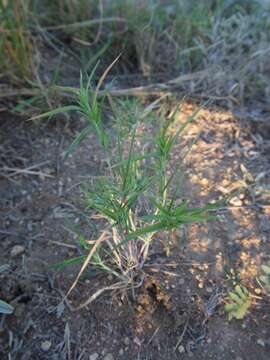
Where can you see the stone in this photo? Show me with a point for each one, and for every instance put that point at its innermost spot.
(260, 342)
(29, 226)
(93, 356)
(181, 349)
(126, 341)
(46, 345)
(108, 357)
(19, 310)
(17, 250)
(181, 281)
(205, 182)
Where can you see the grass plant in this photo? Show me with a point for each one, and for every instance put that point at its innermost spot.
(138, 194)
(16, 48)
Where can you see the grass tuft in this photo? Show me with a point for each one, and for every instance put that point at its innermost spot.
(16, 45)
(136, 196)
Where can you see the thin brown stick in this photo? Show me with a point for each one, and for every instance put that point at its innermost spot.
(16, 171)
(102, 238)
(28, 170)
(7, 92)
(154, 334)
(89, 44)
(85, 23)
(181, 336)
(62, 244)
(104, 75)
(98, 293)
(159, 89)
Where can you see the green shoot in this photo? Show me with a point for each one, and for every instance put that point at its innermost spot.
(87, 104)
(239, 303)
(136, 197)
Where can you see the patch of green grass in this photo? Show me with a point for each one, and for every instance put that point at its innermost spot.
(16, 47)
(136, 195)
(141, 31)
(227, 39)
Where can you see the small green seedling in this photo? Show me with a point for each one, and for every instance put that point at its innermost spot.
(138, 193)
(239, 303)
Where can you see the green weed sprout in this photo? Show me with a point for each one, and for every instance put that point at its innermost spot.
(239, 303)
(135, 195)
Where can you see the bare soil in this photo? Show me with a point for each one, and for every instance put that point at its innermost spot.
(178, 313)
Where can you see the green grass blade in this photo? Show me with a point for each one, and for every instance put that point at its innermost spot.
(82, 135)
(72, 261)
(56, 111)
(5, 308)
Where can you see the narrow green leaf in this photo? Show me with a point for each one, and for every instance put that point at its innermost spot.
(82, 135)
(5, 308)
(265, 280)
(56, 111)
(72, 261)
(235, 298)
(266, 269)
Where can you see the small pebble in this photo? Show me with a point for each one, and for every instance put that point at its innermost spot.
(181, 281)
(181, 349)
(19, 310)
(46, 345)
(17, 250)
(108, 357)
(204, 182)
(29, 226)
(126, 341)
(93, 356)
(260, 342)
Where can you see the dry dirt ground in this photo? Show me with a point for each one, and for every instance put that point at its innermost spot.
(178, 313)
